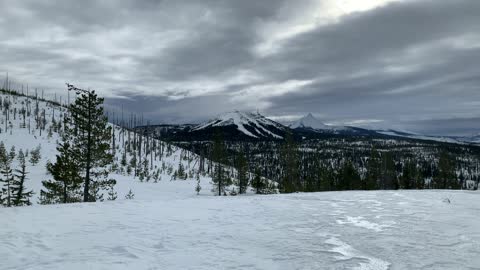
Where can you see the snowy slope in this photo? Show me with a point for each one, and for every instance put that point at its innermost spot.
(253, 125)
(376, 230)
(165, 163)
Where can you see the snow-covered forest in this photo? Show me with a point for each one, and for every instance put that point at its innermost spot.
(33, 132)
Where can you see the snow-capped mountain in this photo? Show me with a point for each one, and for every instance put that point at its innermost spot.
(309, 121)
(243, 124)
(310, 124)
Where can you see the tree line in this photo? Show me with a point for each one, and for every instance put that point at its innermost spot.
(339, 164)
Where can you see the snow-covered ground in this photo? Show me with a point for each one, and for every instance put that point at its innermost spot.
(179, 230)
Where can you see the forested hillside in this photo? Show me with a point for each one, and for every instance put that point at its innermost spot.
(356, 163)
(43, 145)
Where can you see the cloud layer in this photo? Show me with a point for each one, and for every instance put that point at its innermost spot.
(401, 64)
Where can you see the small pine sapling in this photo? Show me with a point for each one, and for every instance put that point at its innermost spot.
(198, 188)
(130, 195)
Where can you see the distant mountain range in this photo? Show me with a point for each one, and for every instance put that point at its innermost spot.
(238, 125)
(234, 125)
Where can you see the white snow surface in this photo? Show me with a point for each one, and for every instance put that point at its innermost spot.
(242, 119)
(175, 229)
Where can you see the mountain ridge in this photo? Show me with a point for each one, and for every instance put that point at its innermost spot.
(242, 125)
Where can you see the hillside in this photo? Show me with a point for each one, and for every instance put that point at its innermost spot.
(160, 162)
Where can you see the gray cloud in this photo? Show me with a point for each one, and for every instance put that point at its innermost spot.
(406, 64)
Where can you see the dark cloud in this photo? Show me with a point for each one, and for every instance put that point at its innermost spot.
(405, 64)
(159, 109)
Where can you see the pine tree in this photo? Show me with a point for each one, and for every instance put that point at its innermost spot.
(130, 195)
(90, 137)
(198, 187)
(181, 170)
(12, 153)
(35, 155)
(66, 184)
(6, 176)
(349, 179)
(123, 161)
(446, 178)
(257, 182)
(327, 179)
(388, 178)
(408, 180)
(20, 195)
(242, 173)
(373, 171)
(218, 155)
(290, 176)
(112, 194)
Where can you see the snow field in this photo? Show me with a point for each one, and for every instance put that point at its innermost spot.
(384, 230)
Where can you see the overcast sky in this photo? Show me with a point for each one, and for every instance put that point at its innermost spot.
(410, 65)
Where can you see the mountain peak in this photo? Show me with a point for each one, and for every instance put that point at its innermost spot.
(309, 121)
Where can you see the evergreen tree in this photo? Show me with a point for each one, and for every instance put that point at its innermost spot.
(328, 179)
(446, 178)
(133, 164)
(198, 187)
(242, 173)
(112, 194)
(91, 137)
(66, 184)
(220, 181)
(12, 153)
(123, 161)
(130, 195)
(373, 171)
(388, 178)
(6, 176)
(20, 195)
(35, 155)
(349, 179)
(181, 170)
(290, 174)
(409, 177)
(257, 182)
